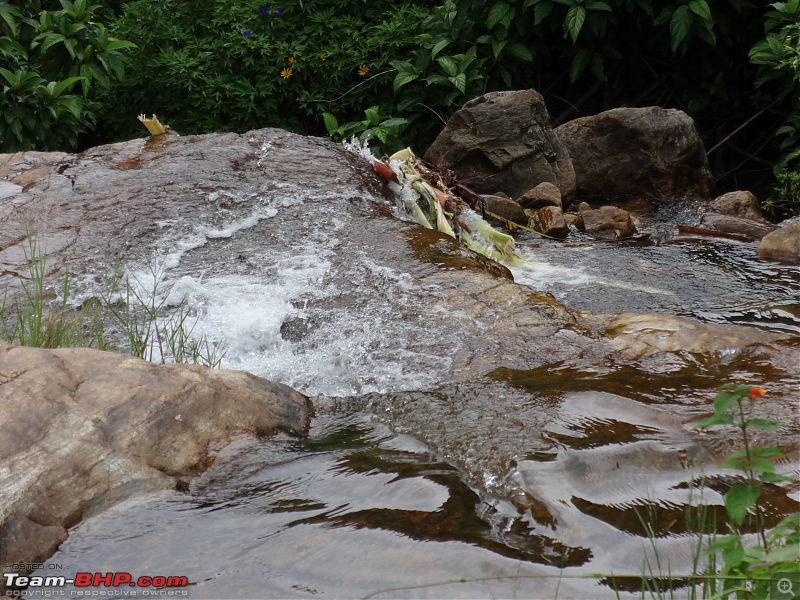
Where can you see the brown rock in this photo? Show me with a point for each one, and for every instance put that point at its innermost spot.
(742, 204)
(574, 219)
(608, 223)
(730, 224)
(506, 208)
(782, 245)
(503, 141)
(82, 429)
(549, 221)
(630, 152)
(544, 194)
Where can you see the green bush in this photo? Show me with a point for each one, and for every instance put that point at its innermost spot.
(230, 65)
(778, 55)
(53, 61)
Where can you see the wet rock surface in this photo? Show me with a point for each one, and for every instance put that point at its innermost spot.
(755, 229)
(783, 244)
(378, 298)
(82, 429)
(550, 221)
(608, 223)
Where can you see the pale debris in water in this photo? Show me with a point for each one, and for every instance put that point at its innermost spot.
(154, 126)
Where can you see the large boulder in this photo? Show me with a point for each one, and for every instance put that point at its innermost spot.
(782, 244)
(504, 141)
(81, 429)
(633, 152)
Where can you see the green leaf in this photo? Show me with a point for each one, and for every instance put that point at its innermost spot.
(579, 63)
(542, 11)
(700, 8)
(7, 13)
(438, 47)
(460, 81)
(739, 499)
(497, 46)
(373, 115)
(733, 555)
(520, 51)
(500, 12)
(773, 478)
(49, 40)
(402, 78)
(61, 86)
(596, 5)
(766, 452)
(435, 79)
(449, 64)
(766, 424)
(725, 419)
(597, 66)
(395, 122)
(74, 104)
(679, 25)
(576, 15)
(331, 123)
(726, 398)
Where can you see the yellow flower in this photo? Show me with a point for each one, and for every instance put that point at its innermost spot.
(292, 61)
(323, 56)
(363, 70)
(286, 73)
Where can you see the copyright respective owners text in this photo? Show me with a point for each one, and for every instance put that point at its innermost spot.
(56, 581)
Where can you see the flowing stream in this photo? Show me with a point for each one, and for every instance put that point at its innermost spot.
(421, 470)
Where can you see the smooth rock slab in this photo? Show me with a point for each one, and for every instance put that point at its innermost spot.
(81, 429)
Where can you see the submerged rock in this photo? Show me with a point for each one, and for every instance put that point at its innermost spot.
(82, 429)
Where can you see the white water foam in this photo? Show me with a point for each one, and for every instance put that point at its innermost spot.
(542, 276)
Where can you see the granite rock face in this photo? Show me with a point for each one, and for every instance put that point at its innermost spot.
(82, 429)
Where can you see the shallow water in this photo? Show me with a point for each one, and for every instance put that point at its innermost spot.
(422, 467)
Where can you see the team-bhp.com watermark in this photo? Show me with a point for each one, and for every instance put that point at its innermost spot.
(85, 584)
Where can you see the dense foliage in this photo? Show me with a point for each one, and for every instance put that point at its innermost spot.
(397, 70)
(53, 57)
(215, 65)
